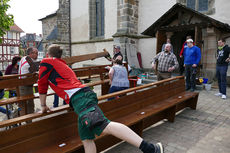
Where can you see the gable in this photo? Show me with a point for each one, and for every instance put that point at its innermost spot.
(179, 17)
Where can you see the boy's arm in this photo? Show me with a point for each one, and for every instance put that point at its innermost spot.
(111, 72)
(44, 107)
(44, 72)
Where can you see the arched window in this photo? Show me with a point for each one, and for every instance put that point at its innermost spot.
(96, 18)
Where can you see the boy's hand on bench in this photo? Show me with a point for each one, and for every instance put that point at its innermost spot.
(45, 109)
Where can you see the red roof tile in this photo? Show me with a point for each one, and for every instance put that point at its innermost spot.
(16, 28)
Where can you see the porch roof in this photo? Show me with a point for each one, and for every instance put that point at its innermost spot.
(174, 13)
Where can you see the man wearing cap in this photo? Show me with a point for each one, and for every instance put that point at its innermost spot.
(192, 56)
(117, 52)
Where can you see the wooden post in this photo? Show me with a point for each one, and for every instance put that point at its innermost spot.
(161, 39)
(198, 43)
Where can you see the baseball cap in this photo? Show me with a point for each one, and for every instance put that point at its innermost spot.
(117, 47)
(189, 40)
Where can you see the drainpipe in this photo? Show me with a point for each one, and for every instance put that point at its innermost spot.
(70, 50)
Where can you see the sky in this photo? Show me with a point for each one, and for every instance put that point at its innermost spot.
(27, 12)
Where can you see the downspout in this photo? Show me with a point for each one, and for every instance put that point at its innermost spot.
(70, 45)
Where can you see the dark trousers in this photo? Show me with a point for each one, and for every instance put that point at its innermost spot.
(116, 89)
(221, 74)
(56, 101)
(190, 73)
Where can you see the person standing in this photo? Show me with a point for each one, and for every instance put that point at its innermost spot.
(28, 65)
(192, 56)
(167, 63)
(85, 104)
(118, 76)
(168, 41)
(222, 67)
(13, 69)
(181, 60)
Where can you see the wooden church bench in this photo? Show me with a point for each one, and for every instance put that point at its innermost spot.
(150, 104)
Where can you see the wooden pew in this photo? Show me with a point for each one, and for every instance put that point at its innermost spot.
(150, 104)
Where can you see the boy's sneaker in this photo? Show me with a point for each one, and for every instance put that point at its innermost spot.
(159, 148)
(223, 97)
(218, 94)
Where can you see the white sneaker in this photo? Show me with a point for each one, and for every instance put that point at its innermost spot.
(218, 94)
(223, 97)
(159, 148)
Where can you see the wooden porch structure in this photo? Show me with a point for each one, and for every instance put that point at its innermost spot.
(181, 21)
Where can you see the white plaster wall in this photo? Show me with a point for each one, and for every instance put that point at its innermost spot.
(110, 18)
(88, 48)
(149, 12)
(147, 47)
(222, 11)
(79, 20)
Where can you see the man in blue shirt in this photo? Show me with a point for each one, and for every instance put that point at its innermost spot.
(192, 56)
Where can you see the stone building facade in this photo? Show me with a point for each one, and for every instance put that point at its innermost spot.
(98, 24)
(56, 28)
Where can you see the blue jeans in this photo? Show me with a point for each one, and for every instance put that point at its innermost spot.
(2, 109)
(190, 73)
(115, 89)
(221, 74)
(56, 101)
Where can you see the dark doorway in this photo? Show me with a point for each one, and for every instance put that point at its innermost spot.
(177, 40)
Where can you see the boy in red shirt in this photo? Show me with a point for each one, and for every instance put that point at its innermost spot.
(55, 73)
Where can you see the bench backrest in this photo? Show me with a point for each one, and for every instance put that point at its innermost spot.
(29, 137)
(147, 96)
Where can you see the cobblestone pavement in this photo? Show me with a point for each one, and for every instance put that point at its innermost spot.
(205, 130)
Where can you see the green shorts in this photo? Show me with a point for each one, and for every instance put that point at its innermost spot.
(91, 119)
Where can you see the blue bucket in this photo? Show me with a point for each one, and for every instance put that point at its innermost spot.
(205, 80)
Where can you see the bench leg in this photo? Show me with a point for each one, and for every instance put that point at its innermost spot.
(193, 102)
(105, 88)
(170, 114)
(138, 128)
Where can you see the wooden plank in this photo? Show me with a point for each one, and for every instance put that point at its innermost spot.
(138, 88)
(80, 58)
(28, 117)
(15, 82)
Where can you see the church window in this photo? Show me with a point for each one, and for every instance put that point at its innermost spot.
(96, 20)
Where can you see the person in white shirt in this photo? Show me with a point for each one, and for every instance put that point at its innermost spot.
(27, 65)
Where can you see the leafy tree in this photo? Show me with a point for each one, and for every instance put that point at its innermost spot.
(6, 20)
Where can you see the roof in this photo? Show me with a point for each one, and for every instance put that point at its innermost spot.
(31, 37)
(53, 34)
(16, 28)
(48, 16)
(172, 14)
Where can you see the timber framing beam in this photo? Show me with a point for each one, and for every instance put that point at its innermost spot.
(183, 27)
